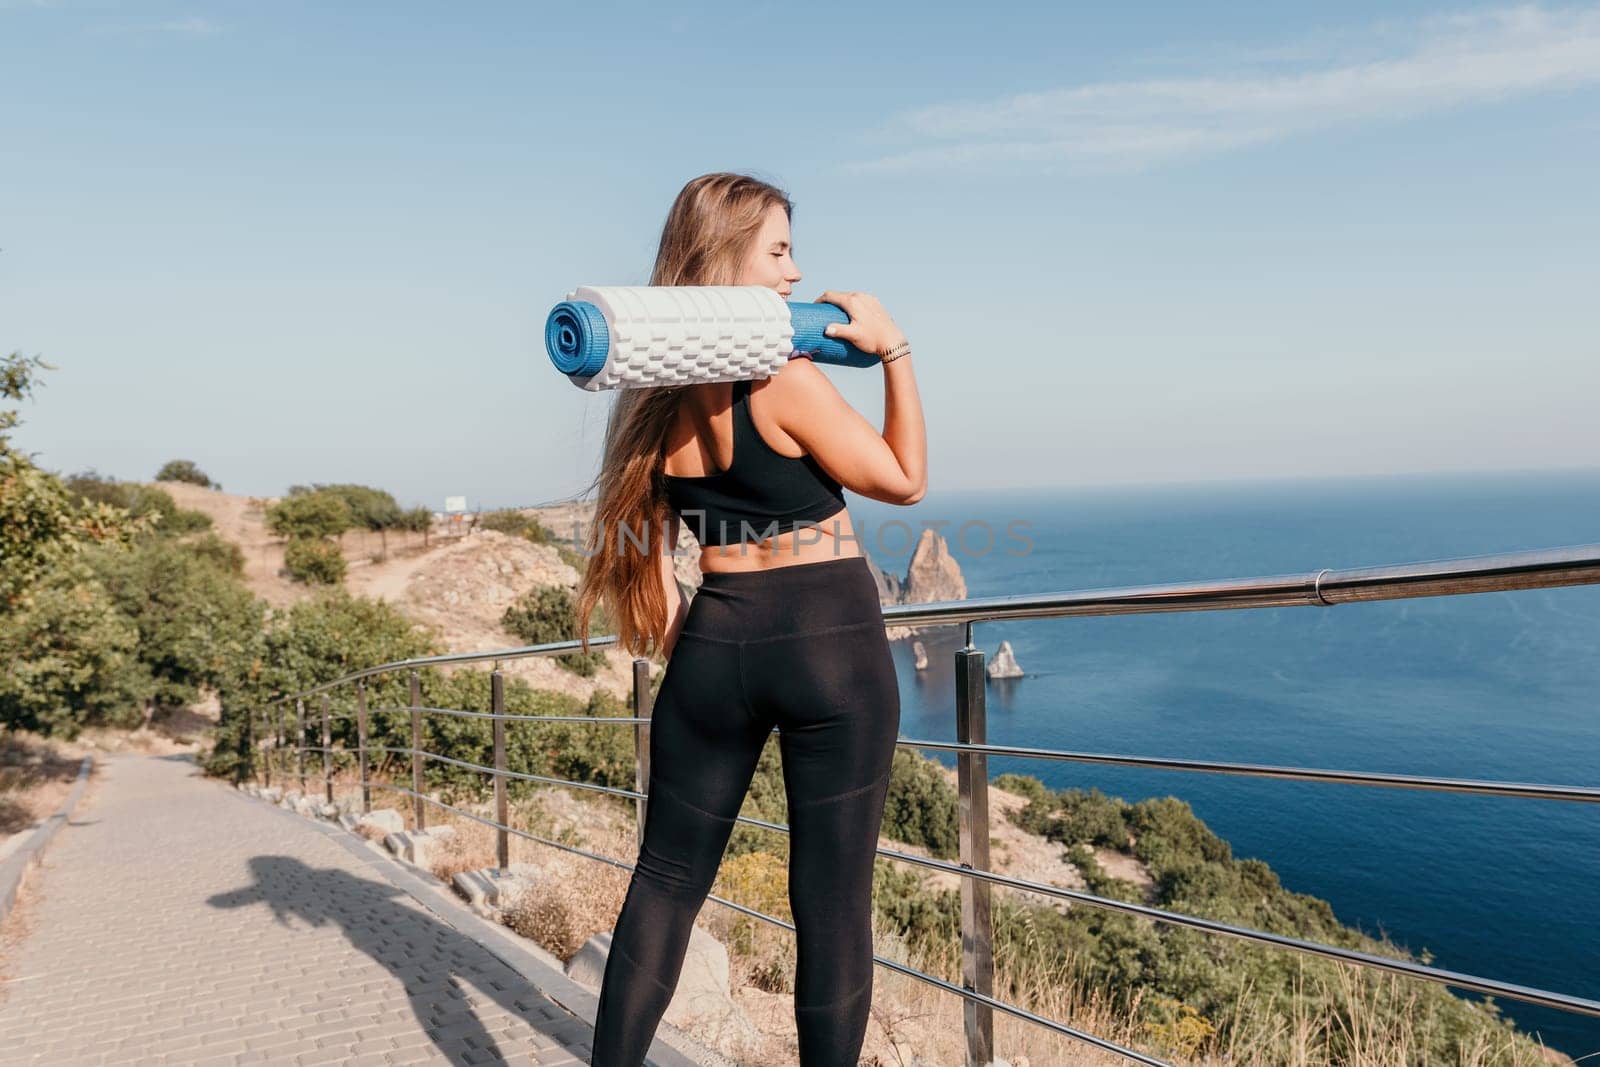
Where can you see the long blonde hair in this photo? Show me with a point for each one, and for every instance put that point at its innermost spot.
(704, 241)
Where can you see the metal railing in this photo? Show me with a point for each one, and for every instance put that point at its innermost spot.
(1539, 569)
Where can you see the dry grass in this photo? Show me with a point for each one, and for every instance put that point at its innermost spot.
(911, 1017)
(571, 899)
(1375, 1034)
(568, 906)
(470, 848)
(760, 954)
(36, 774)
(574, 897)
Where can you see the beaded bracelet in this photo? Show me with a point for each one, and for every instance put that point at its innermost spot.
(901, 349)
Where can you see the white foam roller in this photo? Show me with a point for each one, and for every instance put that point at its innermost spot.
(664, 335)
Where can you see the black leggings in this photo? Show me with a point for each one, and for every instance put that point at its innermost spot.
(801, 647)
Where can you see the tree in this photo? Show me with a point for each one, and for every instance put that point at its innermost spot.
(921, 807)
(416, 520)
(39, 525)
(315, 641)
(139, 500)
(190, 615)
(314, 561)
(183, 470)
(68, 653)
(370, 509)
(314, 514)
(71, 658)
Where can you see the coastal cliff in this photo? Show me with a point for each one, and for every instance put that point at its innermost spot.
(932, 575)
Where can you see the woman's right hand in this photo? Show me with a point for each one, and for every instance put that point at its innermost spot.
(870, 328)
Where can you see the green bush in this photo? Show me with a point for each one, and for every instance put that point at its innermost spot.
(1098, 881)
(183, 470)
(316, 640)
(190, 615)
(415, 520)
(1149, 967)
(547, 614)
(222, 554)
(335, 634)
(1091, 817)
(68, 656)
(1026, 786)
(71, 658)
(309, 515)
(370, 509)
(513, 522)
(922, 917)
(41, 527)
(1071, 816)
(922, 807)
(139, 500)
(314, 561)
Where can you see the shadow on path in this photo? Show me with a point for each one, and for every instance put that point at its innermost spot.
(429, 957)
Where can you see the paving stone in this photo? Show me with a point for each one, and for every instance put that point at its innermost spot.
(182, 921)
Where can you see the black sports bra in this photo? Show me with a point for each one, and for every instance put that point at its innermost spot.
(761, 494)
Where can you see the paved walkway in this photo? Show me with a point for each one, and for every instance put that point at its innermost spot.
(179, 921)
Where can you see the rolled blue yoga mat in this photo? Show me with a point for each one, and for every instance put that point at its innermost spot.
(809, 320)
(617, 337)
(577, 338)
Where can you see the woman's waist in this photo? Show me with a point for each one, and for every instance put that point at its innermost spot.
(749, 557)
(788, 599)
(803, 542)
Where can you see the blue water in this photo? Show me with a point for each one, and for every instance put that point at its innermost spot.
(1501, 685)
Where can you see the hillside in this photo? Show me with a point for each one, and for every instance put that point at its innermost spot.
(459, 585)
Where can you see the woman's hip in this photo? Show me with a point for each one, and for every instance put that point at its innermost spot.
(787, 601)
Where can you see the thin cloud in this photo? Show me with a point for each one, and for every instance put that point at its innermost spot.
(1450, 62)
(191, 26)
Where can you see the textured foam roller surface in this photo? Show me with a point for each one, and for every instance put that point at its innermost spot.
(618, 337)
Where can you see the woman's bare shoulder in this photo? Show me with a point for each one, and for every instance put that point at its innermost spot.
(801, 386)
(810, 409)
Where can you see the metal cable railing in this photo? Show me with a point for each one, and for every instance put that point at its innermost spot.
(1539, 569)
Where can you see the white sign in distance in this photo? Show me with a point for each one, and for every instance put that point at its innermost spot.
(455, 503)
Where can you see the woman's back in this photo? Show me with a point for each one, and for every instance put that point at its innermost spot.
(760, 493)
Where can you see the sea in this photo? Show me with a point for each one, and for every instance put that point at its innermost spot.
(1496, 685)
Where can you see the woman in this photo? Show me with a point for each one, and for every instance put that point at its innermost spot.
(785, 631)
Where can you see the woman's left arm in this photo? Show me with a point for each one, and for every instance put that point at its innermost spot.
(677, 606)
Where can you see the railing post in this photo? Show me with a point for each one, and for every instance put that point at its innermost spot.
(327, 754)
(497, 706)
(277, 734)
(416, 748)
(247, 741)
(361, 744)
(300, 741)
(641, 738)
(255, 757)
(977, 931)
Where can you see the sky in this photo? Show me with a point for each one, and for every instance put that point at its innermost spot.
(1171, 243)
